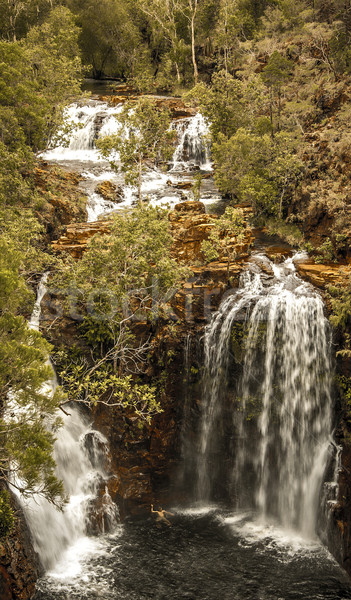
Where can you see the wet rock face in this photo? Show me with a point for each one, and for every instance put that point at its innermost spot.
(19, 564)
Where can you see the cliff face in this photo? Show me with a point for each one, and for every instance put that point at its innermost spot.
(144, 461)
(19, 565)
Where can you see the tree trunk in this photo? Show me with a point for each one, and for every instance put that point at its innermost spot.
(193, 9)
(178, 72)
(139, 181)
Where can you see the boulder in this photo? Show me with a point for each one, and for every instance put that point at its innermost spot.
(110, 192)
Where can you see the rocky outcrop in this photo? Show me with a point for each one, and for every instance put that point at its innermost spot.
(75, 239)
(176, 106)
(60, 201)
(110, 192)
(323, 275)
(190, 225)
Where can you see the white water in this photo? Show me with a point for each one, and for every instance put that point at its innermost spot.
(193, 148)
(76, 150)
(281, 426)
(82, 460)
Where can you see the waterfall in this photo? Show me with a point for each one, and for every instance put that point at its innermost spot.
(74, 147)
(193, 147)
(84, 124)
(82, 459)
(274, 419)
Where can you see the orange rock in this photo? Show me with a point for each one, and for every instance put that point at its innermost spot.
(322, 275)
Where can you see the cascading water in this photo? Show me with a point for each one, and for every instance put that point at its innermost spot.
(281, 410)
(195, 557)
(193, 148)
(76, 149)
(81, 456)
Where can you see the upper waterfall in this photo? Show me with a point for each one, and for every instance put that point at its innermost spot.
(75, 147)
(193, 147)
(278, 437)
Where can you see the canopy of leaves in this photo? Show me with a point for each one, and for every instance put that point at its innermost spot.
(257, 168)
(228, 103)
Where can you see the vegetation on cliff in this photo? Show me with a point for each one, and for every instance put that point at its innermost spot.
(124, 278)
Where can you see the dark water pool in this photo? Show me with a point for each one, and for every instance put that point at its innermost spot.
(211, 556)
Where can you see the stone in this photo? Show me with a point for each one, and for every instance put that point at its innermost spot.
(77, 235)
(110, 192)
(322, 275)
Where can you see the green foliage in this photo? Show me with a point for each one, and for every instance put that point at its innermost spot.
(227, 232)
(145, 134)
(277, 72)
(37, 78)
(228, 103)
(196, 188)
(7, 518)
(325, 252)
(122, 278)
(344, 385)
(110, 38)
(28, 422)
(287, 231)
(257, 168)
(82, 382)
(340, 300)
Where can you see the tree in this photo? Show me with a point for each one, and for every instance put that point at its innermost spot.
(17, 16)
(38, 77)
(123, 277)
(110, 38)
(53, 55)
(226, 235)
(228, 103)
(258, 169)
(164, 14)
(275, 74)
(191, 14)
(145, 134)
(227, 29)
(28, 419)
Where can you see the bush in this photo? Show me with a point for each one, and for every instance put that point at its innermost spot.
(6, 514)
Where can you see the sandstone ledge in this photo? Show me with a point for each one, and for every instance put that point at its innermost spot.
(323, 275)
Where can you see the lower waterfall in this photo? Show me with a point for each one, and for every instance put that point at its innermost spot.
(82, 462)
(268, 433)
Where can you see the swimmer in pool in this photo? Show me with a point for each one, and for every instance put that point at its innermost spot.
(161, 518)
